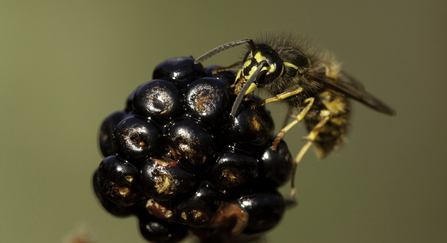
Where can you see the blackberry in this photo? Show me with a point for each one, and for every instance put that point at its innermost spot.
(176, 159)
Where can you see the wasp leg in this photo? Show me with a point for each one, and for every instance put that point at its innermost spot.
(300, 117)
(310, 138)
(278, 97)
(231, 67)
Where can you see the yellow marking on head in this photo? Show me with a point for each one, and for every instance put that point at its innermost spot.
(259, 58)
(246, 64)
(265, 68)
(250, 73)
(239, 73)
(272, 68)
(253, 69)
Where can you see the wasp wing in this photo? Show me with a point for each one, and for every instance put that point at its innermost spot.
(351, 80)
(352, 89)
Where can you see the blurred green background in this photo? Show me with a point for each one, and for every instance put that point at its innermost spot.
(66, 65)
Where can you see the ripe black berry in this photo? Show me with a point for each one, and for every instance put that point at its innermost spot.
(265, 208)
(165, 179)
(159, 100)
(276, 165)
(111, 207)
(180, 70)
(118, 181)
(227, 77)
(233, 169)
(208, 100)
(198, 210)
(159, 231)
(250, 128)
(136, 138)
(129, 101)
(192, 142)
(106, 132)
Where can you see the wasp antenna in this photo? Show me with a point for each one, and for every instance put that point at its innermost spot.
(252, 45)
(222, 48)
(244, 89)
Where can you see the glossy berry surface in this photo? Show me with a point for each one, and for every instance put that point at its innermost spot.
(135, 138)
(208, 100)
(106, 132)
(180, 70)
(233, 169)
(227, 77)
(250, 128)
(265, 208)
(177, 160)
(118, 181)
(159, 100)
(165, 179)
(129, 101)
(159, 231)
(197, 210)
(276, 165)
(111, 207)
(192, 142)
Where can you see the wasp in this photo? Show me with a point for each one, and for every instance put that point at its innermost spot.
(308, 79)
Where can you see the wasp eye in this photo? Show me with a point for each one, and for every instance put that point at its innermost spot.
(261, 81)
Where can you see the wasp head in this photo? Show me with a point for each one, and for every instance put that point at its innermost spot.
(260, 56)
